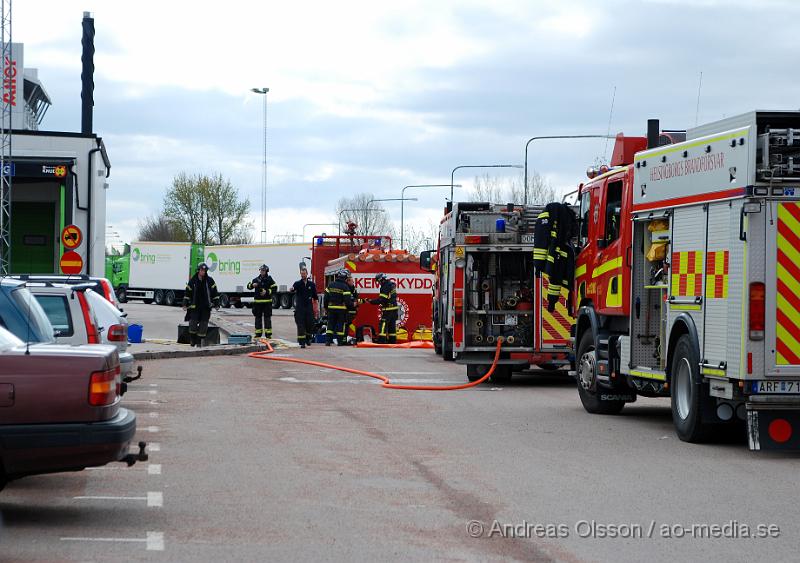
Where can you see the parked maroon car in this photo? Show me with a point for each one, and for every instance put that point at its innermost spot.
(59, 409)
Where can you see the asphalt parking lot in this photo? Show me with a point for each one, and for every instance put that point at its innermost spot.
(253, 460)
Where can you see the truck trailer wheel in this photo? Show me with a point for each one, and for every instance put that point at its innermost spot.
(286, 300)
(169, 298)
(587, 382)
(225, 301)
(122, 295)
(158, 297)
(238, 305)
(686, 392)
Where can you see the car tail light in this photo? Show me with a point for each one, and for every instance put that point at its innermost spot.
(108, 291)
(475, 239)
(104, 387)
(757, 309)
(117, 333)
(91, 329)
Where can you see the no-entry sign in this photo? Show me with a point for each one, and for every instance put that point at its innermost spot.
(71, 237)
(71, 263)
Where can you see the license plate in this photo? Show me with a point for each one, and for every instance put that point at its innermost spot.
(776, 387)
(527, 239)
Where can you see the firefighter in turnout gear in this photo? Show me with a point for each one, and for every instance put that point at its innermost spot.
(264, 287)
(199, 297)
(338, 300)
(305, 308)
(553, 254)
(387, 299)
(353, 310)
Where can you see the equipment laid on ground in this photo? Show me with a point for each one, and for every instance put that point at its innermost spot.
(486, 288)
(234, 265)
(688, 277)
(153, 271)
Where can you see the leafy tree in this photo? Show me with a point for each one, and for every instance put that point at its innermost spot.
(208, 209)
(161, 228)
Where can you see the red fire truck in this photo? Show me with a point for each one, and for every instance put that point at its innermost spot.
(366, 256)
(486, 288)
(687, 274)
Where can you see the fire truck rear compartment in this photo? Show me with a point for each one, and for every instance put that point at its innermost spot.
(499, 300)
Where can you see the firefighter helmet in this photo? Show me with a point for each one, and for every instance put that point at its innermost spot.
(380, 277)
(341, 275)
(263, 267)
(202, 266)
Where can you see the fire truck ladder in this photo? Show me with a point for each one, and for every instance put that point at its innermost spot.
(5, 139)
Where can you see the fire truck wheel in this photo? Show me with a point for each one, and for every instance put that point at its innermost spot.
(437, 345)
(502, 375)
(447, 347)
(476, 371)
(587, 384)
(686, 392)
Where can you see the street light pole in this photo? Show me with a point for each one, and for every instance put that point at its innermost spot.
(525, 187)
(263, 91)
(403, 199)
(452, 174)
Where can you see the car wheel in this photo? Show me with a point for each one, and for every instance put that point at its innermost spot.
(122, 295)
(238, 304)
(587, 384)
(158, 297)
(686, 392)
(169, 298)
(225, 301)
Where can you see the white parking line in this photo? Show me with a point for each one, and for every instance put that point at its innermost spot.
(154, 446)
(149, 391)
(154, 469)
(153, 429)
(134, 401)
(154, 540)
(155, 499)
(153, 415)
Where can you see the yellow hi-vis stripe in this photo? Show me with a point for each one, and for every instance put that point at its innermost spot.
(608, 266)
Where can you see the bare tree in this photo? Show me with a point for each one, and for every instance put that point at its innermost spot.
(208, 209)
(161, 228)
(511, 189)
(370, 216)
(421, 238)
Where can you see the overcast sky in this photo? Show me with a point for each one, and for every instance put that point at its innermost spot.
(369, 96)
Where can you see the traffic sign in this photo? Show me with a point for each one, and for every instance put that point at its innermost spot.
(71, 263)
(71, 237)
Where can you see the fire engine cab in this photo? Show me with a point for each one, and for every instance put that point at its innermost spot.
(688, 277)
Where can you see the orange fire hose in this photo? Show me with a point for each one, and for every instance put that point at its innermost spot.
(265, 355)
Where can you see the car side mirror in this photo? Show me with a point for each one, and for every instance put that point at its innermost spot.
(425, 260)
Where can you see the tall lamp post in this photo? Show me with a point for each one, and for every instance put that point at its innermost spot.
(403, 199)
(357, 209)
(453, 173)
(263, 92)
(525, 187)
